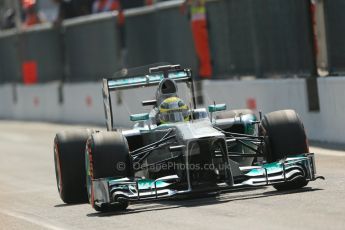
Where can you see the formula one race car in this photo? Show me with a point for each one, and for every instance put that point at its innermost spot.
(177, 149)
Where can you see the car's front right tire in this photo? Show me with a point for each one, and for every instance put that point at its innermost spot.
(69, 158)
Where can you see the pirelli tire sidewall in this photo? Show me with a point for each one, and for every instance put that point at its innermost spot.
(69, 159)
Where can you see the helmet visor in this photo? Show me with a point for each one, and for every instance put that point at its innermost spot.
(173, 116)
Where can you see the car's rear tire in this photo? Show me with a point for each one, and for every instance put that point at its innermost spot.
(285, 136)
(107, 155)
(69, 160)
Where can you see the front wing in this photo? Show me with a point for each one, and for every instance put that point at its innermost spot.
(110, 190)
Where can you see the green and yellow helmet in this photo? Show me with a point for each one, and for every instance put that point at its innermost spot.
(173, 109)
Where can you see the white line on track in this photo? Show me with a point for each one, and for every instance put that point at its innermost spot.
(30, 219)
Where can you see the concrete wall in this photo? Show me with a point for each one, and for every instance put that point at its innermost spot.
(331, 122)
(37, 102)
(82, 102)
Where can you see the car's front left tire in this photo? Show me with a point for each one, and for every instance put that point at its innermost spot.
(107, 155)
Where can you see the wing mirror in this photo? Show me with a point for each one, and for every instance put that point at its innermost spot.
(149, 102)
(139, 117)
(216, 108)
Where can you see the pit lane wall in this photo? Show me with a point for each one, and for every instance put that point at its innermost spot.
(83, 103)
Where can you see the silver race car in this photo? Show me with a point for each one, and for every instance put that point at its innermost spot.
(177, 149)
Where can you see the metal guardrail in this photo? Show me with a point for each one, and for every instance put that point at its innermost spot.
(91, 45)
(277, 44)
(334, 20)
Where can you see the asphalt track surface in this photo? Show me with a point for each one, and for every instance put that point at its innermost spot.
(29, 197)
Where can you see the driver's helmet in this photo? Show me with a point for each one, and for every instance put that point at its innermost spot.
(173, 109)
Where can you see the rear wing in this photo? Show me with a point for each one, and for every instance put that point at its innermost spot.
(154, 77)
(147, 80)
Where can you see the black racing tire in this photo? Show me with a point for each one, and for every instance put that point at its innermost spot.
(285, 136)
(69, 160)
(233, 113)
(107, 155)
